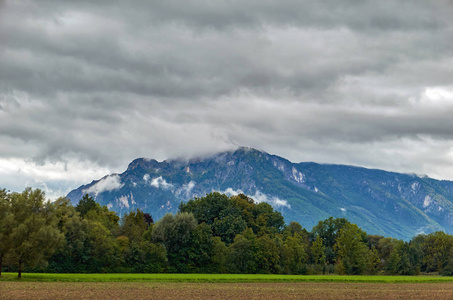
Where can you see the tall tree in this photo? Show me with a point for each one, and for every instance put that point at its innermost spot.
(436, 248)
(35, 234)
(176, 233)
(318, 253)
(5, 225)
(133, 225)
(269, 254)
(294, 254)
(73, 256)
(208, 208)
(243, 253)
(86, 204)
(353, 253)
(328, 230)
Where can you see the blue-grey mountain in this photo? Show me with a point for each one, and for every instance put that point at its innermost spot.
(380, 202)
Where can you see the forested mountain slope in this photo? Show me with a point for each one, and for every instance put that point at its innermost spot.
(380, 202)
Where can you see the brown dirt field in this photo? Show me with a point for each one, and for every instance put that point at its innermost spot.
(188, 291)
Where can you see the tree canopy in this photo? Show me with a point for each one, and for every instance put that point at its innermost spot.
(211, 234)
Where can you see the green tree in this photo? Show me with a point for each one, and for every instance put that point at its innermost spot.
(143, 257)
(65, 260)
(176, 232)
(91, 210)
(436, 248)
(318, 253)
(202, 248)
(401, 260)
(230, 216)
(35, 235)
(293, 228)
(228, 227)
(219, 256)
(269, 250)
(134, 225)
(353, 252)
(294, 254)
(207, 209)
(154, 257)
(243, 253)
(328, 230)
(266, 220)
(385, 247)
(86, 204)
(101, 248)
(89, 245)
(6, 221)
(447, 270)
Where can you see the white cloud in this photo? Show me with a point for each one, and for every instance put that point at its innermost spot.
(231, 192)
(438, 97)
(146, 178)
(259, 197)
(274, 201)
(56, 179)
(108, 183)
(159, 182)
(123, 201)
(187, 188)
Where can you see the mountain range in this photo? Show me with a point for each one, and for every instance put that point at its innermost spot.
(380, 202)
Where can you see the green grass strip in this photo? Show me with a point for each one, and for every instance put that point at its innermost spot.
(217, 278)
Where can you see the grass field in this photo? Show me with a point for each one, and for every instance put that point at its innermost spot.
(218, 278)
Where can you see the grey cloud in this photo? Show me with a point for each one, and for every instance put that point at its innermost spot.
(385, 15)
(339, 81)
(213, 62)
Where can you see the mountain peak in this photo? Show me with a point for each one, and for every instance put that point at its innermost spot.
(243, 149)
(380, 202)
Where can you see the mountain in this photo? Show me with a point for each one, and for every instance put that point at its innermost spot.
(380, 202)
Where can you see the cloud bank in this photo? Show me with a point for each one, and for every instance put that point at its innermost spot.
(92, 85)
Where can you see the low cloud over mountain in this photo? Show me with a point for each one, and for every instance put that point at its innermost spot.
(381, 202)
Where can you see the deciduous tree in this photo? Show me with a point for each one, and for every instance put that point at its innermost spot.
(35, 235)
(6, 221)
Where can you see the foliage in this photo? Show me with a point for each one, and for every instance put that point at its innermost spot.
(34, 234)
(6, 225)
(352, 252)
(212, 234)
(436, 248)
(328, 231)
(86, 204)
(176, 233)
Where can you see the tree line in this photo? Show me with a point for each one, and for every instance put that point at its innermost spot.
(212, 234)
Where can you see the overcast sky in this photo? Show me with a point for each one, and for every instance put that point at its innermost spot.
(88, 86)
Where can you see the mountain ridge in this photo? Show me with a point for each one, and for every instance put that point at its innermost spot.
(381, 202)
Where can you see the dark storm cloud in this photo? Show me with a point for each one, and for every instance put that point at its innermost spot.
(102, 82)
(137, 47)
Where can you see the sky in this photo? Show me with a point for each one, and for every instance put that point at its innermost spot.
(88, 86)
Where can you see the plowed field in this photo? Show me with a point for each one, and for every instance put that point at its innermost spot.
(188, 291)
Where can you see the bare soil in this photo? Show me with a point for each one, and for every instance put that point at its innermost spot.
(188, 291)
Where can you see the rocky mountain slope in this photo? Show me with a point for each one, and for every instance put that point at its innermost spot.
(380, 202)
